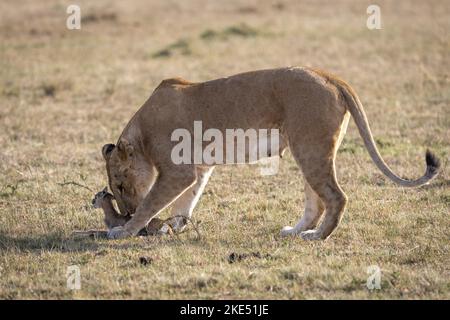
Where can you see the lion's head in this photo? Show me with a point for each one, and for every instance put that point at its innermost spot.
(129, 175)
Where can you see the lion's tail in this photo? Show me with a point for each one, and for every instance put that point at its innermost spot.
(356, 110)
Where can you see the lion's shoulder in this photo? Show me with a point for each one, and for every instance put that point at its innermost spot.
(174, 81)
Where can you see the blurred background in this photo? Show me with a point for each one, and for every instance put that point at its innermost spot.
(64, 93)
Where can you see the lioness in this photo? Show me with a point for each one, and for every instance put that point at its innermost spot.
(311, 109)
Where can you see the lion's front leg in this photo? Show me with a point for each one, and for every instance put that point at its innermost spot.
(185, 204)
(170, 184)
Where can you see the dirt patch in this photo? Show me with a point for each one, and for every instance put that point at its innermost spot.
(145, 260)
(238, 257)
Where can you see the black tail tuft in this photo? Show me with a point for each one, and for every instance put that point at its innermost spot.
(433, 163)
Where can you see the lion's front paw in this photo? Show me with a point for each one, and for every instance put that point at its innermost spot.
(288, 231)
(310, 235)
(118, 233)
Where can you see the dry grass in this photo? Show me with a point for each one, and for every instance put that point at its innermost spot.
(63, 94)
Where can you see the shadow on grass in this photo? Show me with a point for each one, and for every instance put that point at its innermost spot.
(61, 243)
(49, 242)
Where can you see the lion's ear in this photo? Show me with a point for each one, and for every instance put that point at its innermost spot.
(125, 149)
(107, 149)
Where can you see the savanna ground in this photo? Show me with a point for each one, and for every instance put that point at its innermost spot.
(64, 93)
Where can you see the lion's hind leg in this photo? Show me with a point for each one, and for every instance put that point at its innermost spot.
(317, 164)
(321, 176)
(314, 209)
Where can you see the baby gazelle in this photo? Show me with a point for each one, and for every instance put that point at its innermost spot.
(103, 200)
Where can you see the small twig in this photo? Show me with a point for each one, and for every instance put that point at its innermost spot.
(199, 236)
(75, 184)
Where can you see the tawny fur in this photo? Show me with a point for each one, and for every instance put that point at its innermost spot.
(311, 108)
